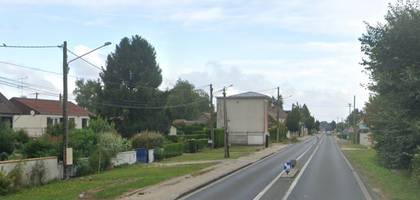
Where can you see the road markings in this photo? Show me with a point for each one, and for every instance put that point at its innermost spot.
(234, 173)
(358, 180)
(261, 194)
(294, 183)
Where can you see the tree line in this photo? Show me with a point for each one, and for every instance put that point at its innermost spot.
(392, 60)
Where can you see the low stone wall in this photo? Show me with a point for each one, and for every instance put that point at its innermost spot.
(127, 157)
(49, 164)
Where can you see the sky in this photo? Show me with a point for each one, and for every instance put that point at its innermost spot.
(308, 48)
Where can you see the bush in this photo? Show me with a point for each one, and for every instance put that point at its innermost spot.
(100, 125)
(83, 142)
(83, 167)
(169, 150)
(99, 160)
(58, 129)
(5, 184)
(194, 136)
(6, 140)
(192, 129)
(294, 140)
(415, 166)
(173, 138)
(113, 143)
(282, 133)
(40, 147)
(147, 139)
(193, 145)
(21, 136)
(219, 138)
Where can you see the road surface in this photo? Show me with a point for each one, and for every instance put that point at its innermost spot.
(326, 177)
(249, 182)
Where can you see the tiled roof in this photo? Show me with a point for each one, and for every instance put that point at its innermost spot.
(7, 107)
(48, 107)
(248, 95)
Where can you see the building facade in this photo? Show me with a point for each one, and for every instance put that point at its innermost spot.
(247, 117)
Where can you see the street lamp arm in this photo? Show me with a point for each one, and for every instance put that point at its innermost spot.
(106, 44)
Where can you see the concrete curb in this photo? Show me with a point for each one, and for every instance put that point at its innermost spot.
(229, 173)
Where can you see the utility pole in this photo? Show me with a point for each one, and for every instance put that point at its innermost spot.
(225, 124)
(354, 120)
(278, 114)
(65, 114)
(211, 117)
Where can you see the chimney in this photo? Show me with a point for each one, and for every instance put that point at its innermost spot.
(59, 97)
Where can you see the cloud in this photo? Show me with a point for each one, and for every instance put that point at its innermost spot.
(199, 16)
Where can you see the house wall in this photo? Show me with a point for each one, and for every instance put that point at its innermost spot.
(365, 139)
(50, 164)
(36, 125)
(247, 120)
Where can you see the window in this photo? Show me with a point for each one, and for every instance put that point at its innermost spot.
(71, 120)
(84, 122)
(49, 121)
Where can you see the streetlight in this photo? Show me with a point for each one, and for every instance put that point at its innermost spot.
(66, 63)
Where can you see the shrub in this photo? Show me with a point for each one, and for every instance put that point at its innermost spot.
(147, 139)
(99, 160)
(58, 129)
(21, 136)
(169, 150)
(6, 140)
(193, 145)
(100, 125)
(40, 147)
(192, 129)
(83, 167)
(173, 138)
(38, 171)
(113, 143)
(294, 140)
(219, 138)
(415, 166)
(195, 136)
(5, 184)
(83, 142)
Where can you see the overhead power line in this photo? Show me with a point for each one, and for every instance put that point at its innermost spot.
(149, 107)
(3, 45)
(91, 64)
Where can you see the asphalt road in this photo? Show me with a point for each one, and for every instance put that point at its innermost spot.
(327, 176)
(248, 182)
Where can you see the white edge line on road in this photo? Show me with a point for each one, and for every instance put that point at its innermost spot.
(294, 183)
(261, 194)
(359, 181)
(232, 174)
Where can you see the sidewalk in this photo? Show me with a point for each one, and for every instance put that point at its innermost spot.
(176, 187)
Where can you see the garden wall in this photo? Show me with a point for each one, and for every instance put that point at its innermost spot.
(50, 164)
(127, 157)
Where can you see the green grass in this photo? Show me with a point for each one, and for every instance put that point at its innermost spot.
(215, 154)
(107, 185)
(393, 184)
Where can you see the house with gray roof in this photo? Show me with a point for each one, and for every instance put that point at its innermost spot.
(7, 110)
(247, 117)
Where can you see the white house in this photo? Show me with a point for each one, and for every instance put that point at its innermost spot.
(36, 114)
(247, 116)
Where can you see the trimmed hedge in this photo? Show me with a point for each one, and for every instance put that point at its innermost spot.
(193, 145)
(169, 150)
(195, 136)
(219, 137)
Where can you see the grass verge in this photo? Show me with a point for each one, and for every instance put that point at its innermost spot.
(215, 154)
(391, 184)
(106, 185)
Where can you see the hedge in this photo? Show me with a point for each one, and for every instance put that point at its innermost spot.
(219, 137)
(193, 145)
(169, 150)
(195, 136)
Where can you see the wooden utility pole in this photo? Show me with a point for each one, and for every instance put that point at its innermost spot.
(65, 114)
(354, 121)
(225, 124)
(211, 117)
(278, 114)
